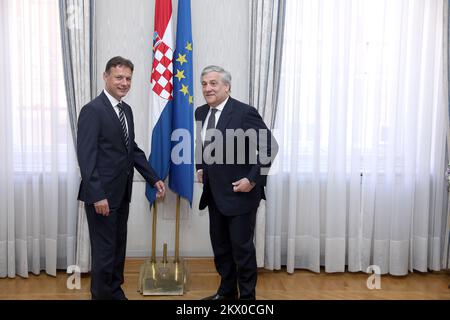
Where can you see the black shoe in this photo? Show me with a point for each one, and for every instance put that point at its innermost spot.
(120, 297)
(119, 294)
(221, 297)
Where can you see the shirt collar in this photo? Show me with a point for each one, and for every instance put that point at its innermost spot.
(114, 101)
(222, 105)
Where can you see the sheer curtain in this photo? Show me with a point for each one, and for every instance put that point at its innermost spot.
(38, 165)
(266, 43)
(446, 249)
(362, 133)
(79, 55)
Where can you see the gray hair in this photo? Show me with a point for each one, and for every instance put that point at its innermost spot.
(224, 75)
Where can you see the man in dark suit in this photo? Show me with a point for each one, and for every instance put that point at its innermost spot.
(107, 156)
(234, 150)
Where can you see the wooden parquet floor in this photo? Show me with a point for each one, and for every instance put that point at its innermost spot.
(203, 280)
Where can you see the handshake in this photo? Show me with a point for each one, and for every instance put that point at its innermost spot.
(102, 206)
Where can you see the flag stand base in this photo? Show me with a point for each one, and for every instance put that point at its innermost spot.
(162, 278)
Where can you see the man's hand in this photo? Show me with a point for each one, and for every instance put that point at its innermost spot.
(102, 207)
(161, 189)
(243, 185)
(200, 175)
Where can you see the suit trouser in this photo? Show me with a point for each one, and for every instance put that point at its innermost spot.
(234, 251)
(108, 237)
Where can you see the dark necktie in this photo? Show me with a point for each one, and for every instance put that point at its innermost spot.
(123, 124)
(211, 125)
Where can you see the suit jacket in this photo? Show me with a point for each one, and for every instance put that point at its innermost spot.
(106, 165)
(218, 177)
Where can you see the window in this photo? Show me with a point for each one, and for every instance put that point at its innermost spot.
(360, 82)
(40, 128)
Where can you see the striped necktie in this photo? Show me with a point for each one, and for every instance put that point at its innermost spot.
(123, 124)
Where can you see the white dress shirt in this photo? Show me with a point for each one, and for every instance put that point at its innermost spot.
(219, 109)
(114, 103)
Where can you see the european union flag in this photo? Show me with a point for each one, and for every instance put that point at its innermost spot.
(181, 174)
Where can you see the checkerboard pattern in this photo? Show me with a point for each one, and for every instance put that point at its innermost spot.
(162, 73)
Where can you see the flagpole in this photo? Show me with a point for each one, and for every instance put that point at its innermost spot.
(159, 276)
(177, 232)
(155, 213)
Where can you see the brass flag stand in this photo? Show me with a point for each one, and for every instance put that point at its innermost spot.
(159, 276)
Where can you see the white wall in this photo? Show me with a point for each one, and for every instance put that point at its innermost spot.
(220, 36)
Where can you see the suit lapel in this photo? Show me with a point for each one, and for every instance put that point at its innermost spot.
(203, 112)
(225, 116)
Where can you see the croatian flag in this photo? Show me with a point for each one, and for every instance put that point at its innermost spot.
(161, 93)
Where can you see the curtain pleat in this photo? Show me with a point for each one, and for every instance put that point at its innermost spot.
(78, 43)
(361, 125)
(266, 43)
(38, 161)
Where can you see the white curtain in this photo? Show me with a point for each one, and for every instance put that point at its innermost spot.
(359, 179)
(266, 43)
(38, 165)
(446, 249)
(78, 52)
